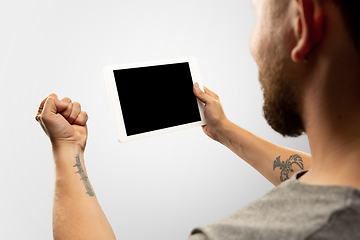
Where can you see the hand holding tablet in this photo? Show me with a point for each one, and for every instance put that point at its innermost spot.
(154, 97)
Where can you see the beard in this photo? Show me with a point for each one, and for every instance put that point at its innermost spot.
(281, 97)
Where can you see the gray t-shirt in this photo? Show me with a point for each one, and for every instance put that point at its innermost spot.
(292, 210)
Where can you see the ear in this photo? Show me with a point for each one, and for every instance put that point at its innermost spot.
(309, 29)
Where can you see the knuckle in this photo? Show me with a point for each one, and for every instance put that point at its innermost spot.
(66, 100)
(51, 98)
(201, 93)
(52, 95)
(85, 117)
(76, 104)
(82, 118)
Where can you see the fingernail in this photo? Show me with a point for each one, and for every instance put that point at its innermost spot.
(196, 85)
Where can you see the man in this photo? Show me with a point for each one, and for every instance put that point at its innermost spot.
(308, 53)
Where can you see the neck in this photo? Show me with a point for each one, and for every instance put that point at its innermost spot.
(333, 123)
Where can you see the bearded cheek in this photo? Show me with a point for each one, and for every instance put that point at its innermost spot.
(258, 46)
(280, 111)
(280, 96)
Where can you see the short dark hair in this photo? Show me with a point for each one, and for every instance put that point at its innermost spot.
(349, 11)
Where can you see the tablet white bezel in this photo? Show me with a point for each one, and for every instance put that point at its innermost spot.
(115, 102)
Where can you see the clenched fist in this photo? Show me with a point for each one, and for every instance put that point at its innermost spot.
(63, 121)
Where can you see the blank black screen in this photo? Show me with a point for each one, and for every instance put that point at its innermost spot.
(156, 97)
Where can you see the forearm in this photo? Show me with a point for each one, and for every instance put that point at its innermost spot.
(262, 154)
(76, 211)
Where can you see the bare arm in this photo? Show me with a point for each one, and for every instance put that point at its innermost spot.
(76, 211)
(274, 162)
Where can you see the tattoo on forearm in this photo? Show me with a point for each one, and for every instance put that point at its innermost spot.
(286, 167)
(83, 176)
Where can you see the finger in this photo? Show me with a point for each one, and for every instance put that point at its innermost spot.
(40, 110)
(76, 109)
(200, 94)
(81, 119)
(66, 113)
(52, 105)
(211, 93)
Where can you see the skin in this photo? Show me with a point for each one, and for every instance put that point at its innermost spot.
(331, 104)
(256, 151)
(326, 78)
(76, 211)
(303, 36)
(328, 84)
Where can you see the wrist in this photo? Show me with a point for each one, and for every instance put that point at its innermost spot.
(70, 168)
(65, 153)
(66, 147)
(222, 130)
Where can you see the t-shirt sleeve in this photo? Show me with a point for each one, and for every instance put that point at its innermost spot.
(198, 236)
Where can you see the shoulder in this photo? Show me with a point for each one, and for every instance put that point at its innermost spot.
(343, 223)
(290, 211)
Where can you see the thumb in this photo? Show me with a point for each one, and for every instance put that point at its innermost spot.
(203, 97)
(53, 105)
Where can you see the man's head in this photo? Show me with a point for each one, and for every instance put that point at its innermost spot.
(286, 34)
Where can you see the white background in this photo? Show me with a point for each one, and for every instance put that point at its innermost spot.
(155, 188)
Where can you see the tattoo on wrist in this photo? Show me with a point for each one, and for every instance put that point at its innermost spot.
(286, 167)
(83, 176)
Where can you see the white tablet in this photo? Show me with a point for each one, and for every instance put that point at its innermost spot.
(154, 97)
